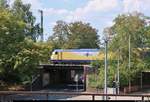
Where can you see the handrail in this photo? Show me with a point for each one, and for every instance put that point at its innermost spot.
(3, 93)
(68, 93)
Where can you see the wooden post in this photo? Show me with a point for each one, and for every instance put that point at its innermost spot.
(85, 78)
(93, 97)
(142, 98)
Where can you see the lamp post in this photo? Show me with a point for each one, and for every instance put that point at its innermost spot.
(106, 67)
(118, 77)
(129, 62)
(41, 12)
(106, 39)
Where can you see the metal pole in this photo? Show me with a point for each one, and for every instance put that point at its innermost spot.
(41, 24)
(118, 81)
(129, 62)
(105, 80)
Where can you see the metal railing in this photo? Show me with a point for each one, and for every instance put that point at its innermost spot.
(9, 96)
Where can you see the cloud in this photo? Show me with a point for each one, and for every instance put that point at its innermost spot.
(100, 5)
(36, 4)
(136, 5)
(66, 0)
(83, 13)
(52, 11)
(53, 23)
(91, 12)
(92, 6)
(109, 23)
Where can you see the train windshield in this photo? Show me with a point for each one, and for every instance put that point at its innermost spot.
(55, 53)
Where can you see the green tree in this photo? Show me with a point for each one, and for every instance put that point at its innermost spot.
(30, 55)
(74, 35)
(60, 35)
(82, 35)
(11, 35)
(23, 12)
(125, 26)
(133, 25)
(3, 4)
(19, 55)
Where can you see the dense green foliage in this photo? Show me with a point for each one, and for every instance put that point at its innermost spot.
(23, 12)
(3, 4)
(19, 53)
(135, 26)
(74, 35)
(11, 35)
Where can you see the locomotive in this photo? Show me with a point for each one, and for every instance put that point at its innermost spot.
(77, 56)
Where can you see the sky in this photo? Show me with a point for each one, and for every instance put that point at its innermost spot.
(99, 13)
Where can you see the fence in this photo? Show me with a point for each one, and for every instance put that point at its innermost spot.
(10, 96)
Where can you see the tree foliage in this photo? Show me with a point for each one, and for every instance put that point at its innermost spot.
(60, 35)
(78, 34)
(3, 4)
(11, 35)
(23, 12)
(135, 26)
(125, 26)
(19, 53)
